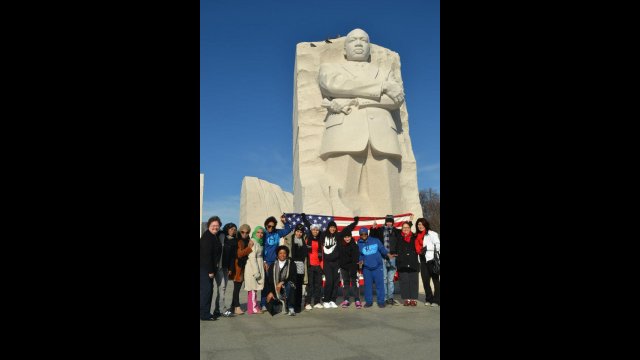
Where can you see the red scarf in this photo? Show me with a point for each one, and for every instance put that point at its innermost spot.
(407, 237)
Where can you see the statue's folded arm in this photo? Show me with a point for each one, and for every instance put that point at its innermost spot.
(337, 84)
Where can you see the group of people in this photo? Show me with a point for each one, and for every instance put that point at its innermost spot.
(280, 268)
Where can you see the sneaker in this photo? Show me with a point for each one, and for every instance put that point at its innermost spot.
(308, 307)
(333, 305)
(381, 305)
(406, 303)
(238, 311)
(345, 304)
(216, 314)
(292, 312)
(434, 304)
(426, 303)
(326, 305)
(389, 301)
(227, 313)
(318, 306)
(413, 303)
(395, 302)
(358, 305)
(264, 308)
(368, 305)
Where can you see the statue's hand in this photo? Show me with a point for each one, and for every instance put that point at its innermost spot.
(343, 105)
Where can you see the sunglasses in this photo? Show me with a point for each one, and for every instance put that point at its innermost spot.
(270, 226)
(244, 232)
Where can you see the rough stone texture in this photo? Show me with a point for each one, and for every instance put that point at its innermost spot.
(312, 192)
(260, 199)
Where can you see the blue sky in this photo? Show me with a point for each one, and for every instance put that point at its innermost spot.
(247, 53)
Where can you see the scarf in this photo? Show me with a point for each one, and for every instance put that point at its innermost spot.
(407, 237)
(298, 241)
(280, 274)
(255, 238)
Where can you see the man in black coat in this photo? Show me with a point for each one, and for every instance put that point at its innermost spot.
(389, 236)
(210, 249)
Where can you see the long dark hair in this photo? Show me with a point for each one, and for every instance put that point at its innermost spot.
(425, 223)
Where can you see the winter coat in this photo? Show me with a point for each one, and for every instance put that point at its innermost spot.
(296, 252)
(327, 254)
(242, 252)
(394, 237)
(255, 265)
(371, 253)
(407, 259)
(287, 274)
(271, 242)
(430, 242)
(229, 249)
(210, 250)
(348, 255)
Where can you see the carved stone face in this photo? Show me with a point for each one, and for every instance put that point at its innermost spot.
(356, 46)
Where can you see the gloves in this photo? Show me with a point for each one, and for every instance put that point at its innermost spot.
(303, 215)
(356, 219)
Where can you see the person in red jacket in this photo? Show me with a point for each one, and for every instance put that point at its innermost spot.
(314, 271)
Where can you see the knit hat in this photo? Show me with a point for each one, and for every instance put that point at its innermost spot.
(364, 230)
(315, 226)
(331, 223)
(388, 218)
(300, 227)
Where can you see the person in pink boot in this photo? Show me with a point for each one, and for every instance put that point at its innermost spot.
(254, 270)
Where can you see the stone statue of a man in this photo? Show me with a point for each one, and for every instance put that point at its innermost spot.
(360, 143)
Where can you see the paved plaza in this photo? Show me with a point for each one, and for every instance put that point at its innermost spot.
(393, 332)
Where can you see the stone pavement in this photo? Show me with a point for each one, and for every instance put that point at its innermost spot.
(394, 332)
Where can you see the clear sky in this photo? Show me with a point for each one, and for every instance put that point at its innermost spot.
(247, 53)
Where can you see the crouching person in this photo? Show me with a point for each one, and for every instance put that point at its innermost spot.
(281, 279)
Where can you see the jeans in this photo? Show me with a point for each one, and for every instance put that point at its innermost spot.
(314, 284)
(290, 294)
(222, 278)
(389, 270)
(206, 291)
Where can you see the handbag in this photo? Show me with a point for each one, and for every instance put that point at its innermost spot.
(435, 267)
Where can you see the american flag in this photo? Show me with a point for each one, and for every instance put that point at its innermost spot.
(343, 221)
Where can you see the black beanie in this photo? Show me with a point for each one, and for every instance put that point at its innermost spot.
(332, 223)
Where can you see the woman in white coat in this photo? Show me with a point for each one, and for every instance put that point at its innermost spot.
(430, 243)
(254, 270)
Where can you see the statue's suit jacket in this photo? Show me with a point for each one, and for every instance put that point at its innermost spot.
(371, 121)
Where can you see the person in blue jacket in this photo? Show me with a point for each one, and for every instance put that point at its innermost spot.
(271, 242)
(372, 251)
